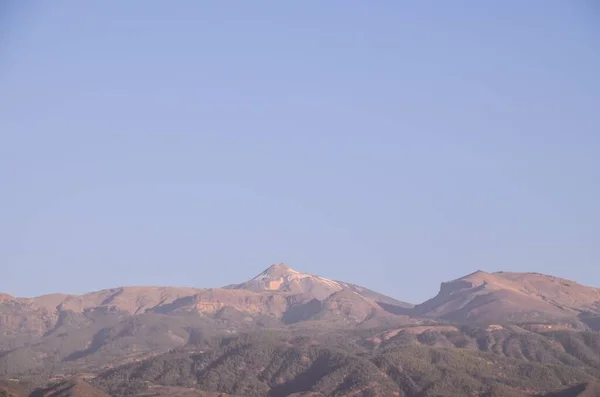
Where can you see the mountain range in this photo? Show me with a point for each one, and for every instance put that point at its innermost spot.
(96, 334)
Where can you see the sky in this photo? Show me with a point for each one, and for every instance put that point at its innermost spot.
(391, 144)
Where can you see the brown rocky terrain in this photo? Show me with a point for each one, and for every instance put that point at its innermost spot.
(510, 297)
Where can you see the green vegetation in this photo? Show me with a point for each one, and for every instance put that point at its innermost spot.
(409, 362)
(471, 363)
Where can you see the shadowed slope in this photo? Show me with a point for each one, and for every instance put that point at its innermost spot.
(582, 390)
(70, 388)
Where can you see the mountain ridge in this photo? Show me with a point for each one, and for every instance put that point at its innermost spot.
(532, 322)
(129, 323)
(270, 271)
(476, 296)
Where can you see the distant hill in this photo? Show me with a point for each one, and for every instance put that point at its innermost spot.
(510, 297)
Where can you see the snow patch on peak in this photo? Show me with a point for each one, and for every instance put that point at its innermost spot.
(280, 277)
(329, 282)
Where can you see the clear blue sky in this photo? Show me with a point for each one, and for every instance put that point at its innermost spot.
(391, 144)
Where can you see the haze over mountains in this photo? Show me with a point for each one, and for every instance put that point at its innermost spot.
(100, 331)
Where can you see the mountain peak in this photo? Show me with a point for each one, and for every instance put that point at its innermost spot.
(276, 270)
(282, 278)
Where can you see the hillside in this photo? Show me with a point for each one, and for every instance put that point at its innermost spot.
(72, 387)
(69, 388)
(413, 361)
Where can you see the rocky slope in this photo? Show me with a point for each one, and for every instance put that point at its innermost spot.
(510, 297)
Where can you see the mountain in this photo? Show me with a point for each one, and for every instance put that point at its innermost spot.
(323, 300)
(272, 293)
(533, 323)
(510, 297)
(282, 278)
(130, 323)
